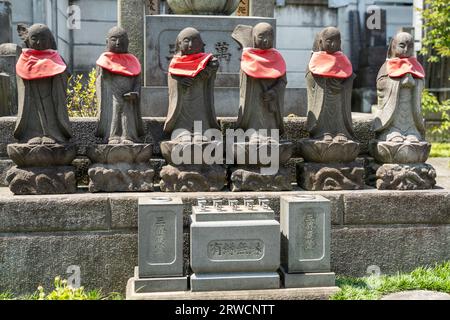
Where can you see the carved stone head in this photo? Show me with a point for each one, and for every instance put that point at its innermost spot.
(117, 40)
(402, 46)
(189, 41)
(39, 37)
(329, 40)
(263, 36)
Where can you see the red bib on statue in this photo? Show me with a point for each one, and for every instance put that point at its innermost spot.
(39, 64)
(334, 65)
(263, 64)
(124, 64)
(189, 65)
(398, 67)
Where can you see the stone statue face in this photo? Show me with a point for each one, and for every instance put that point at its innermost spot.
(403, 45)
(117, 40)
(40, 37)
(330, 40)
(189, 41)
(263, 36)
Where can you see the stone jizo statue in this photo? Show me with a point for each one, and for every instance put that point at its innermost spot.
(118, 91)
(42, 85)
(191, 84)
(329, 81)
(400, 83)
(263, 79)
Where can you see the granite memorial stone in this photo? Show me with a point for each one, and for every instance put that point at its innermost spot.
(121, 163)
(234, 247)
(329, 85)
(43, 154)
(400, 145)
(160, 250)
(305, 241)
(9, 53)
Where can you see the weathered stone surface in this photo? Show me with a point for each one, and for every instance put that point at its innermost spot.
(264, 8)
(120, 177)
(396, 152)
(28, 155)
(9, 53)
(106, 260)
(39, 180)
(192, 178)
(392, 248)
(38, 214)
(249, 153)
(204, 7)
(411, 176)
(5, 22)
(82, 165)
(160, 237)
(305, 233)
(329, 152)
(120, 153)
(5, 165)
(330, 176)
(251, 179)
(234, 281)
(397, 207)
(417, 295)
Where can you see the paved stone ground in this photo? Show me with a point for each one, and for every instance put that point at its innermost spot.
(442, 166)
(417, 295)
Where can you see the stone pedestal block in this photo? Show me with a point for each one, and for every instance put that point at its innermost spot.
(329, 151)
(193, 178)
(41, 169)
(308, 280)
(41, 180)
(160, 228)
(305, 228)
(121, 177)
(120, 168)
(137, 285)
(228, 253)
(412, 176)
(331, 176)
(305, 241)
(250, 178)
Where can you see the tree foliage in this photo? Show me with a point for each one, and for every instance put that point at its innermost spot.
(436, 42)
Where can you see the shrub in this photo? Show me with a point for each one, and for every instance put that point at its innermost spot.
(81, 97)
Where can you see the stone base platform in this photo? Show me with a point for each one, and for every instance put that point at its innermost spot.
(98, 232)
(308, 280)
(120, 177)
(42, 180)
(138, 285)
(331, 176)
(271, 294)
(251, 179)
(412, 176)
(193, 178)
(234, 281)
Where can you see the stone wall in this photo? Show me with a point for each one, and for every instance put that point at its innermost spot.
(41, 236)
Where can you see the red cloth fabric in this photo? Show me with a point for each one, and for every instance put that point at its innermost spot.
(335, 65)
(263, 64)
(124, 64)
(189, 65)
(38, 64)
(398, 67)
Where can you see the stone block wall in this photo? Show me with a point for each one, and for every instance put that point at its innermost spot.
(40, 237)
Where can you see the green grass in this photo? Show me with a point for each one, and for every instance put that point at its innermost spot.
(440, 150)
(435, 278)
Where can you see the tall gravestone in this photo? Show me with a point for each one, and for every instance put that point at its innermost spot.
(5, 22)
